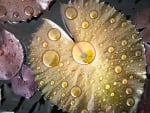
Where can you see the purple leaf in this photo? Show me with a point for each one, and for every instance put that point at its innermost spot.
(24, 86)
(11, 55)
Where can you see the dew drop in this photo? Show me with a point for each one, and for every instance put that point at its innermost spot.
(42, 83)
(124, 81)
(63, 94)
(38, 38)
(72, 102)
(61, 64)
(45, 44)
(107, 86)
(134, 36)
(124, 43)
(76, 91)
(3, 11)
(51, 58)
(111, 49)
(123, 57)
(54, 34)
(112, 20)
(130, 102)
(138, 53)
(71, 13)
(124, 24)
(52, 82)
(85, 24)
(112, 94)
(129, 91)
(118, 69)
(84, 111)
(64, 84)
(29, 11)
(16, 14)
(93, 14)
(83, 53)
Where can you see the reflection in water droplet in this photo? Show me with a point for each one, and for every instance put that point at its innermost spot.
(118, 69)
(130, 102)
(64, 84)
(85, 24)
(29, 11)
(112, 20)
(83, 53)
(54, 34)
(129, 91)
(71, 13)
(84, 111)
(93, 14)
(111, 49)
(76, 91)
(50, 58)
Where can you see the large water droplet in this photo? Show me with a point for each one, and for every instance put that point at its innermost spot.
(76, 91)
(71, 13)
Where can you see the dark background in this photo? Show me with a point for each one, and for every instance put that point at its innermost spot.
(22, 31)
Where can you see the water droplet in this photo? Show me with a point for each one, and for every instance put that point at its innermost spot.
(101, 78)
(64, 84)
(61, 64)
(112, 20)
(115, 83)
(1, 52)
(124, 81)
(3, 11)
(38, 38)
(29, 11)
(72, 102)
(123, 57)
(51, 58)
(118, 69)
(111, 49)
(134, 36)
(85, 24)
(45, 44)
(52, 82)
(71, 13)
(83, 53)
(38, 68)
(138, 53)
(130, 102)
(76, 91)
(112, 94)
(107, 86)
(42, 83)
(16, 14)
(124, 24)
(54, 34)
(84, 111)
(129, 91)
(63, 95)
(124, 43)
(93, 14)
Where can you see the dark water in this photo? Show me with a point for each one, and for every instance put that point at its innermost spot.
(37, 104)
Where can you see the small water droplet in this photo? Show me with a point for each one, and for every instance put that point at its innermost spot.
(76, 91)
(64, 84)
(112, 94)
(54, 34)
(138, 53)
(129, 91)
(124, 43)
(107, 86)
(118, 69)
(71, 13)
(42, 83)
(123, 57)
(45, 44)
(51, 58)
(84, 111)
(85, 24)
(29, 11)
(93, 14)
(111, 49)
(72, 102)
(134, 36)
(124, 81)
(63, 94)
(16, 14)
(112, 20)
(52, 82)
(38, 38)
(123, 24)
(130, 102)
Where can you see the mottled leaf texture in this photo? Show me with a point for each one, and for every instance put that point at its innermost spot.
(21, 10)
(102, 71)
(11, 55)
